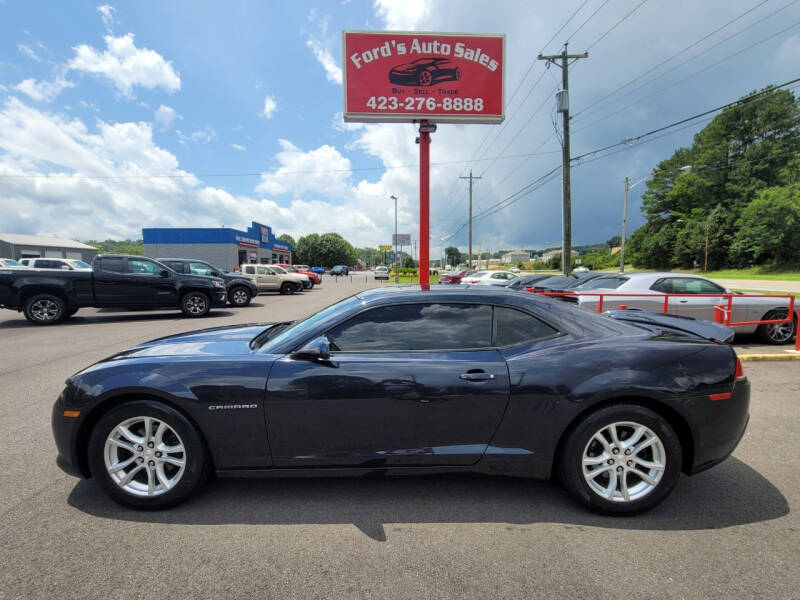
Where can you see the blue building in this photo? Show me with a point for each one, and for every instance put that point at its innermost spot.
(223, 247)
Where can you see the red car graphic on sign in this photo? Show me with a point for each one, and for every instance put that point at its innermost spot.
(425, 71)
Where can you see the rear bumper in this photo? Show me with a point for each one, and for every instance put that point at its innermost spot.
(719, 426)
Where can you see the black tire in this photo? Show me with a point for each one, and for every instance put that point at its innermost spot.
(288, 288)
(195, 304)
(310, 285)
(195, 455)
(581, 438)
(45, 309)
(777, 333)
(239, 296)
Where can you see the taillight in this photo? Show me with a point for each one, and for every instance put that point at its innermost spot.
(739, 369)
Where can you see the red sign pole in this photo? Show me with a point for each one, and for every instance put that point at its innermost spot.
(424, 203)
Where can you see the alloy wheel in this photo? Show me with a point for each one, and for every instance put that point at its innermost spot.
(45, 310)
(144, 456)
(623, 462)
(196, 305)
(780, 333)
(239, 296)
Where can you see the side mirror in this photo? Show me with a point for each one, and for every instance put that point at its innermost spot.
(163, 273)
(318, 348)
(66, 268)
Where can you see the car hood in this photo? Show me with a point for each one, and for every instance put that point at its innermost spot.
(230, 340)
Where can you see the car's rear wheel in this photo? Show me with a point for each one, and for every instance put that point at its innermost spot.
(288, 288)
(621, 459)
(458, 73)
(310, 285)
(147, 455)
(240, 296)
(195, 304)
(44, 309)
(777, 333)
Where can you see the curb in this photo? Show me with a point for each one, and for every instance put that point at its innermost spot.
(764, 357)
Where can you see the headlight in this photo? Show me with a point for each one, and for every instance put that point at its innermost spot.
(217, 284)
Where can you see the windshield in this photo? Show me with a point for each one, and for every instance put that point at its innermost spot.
(80, 264)
(281, 332)
(10, 262)
(611, 283)
(478, 274)
(278, 269)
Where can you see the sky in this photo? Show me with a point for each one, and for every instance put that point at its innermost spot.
(115, 117)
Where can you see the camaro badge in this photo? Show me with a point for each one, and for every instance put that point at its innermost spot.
(231, 406)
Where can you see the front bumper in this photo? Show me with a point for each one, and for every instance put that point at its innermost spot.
(219, 297)
(65, 431)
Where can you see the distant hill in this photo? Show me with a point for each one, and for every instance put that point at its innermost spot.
(117, 246)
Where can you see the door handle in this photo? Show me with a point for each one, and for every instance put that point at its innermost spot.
(683, 301)
(476, 376)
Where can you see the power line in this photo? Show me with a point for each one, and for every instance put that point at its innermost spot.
(703, 70)
(617, 24)
(663, 62)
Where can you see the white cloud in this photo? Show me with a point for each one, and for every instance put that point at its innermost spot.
(28, 51)
(165, 116)
(43, 91)
(403, 15)
(238, 147)
(201, 135)
(107, 13)
(126, 66)
(333, 72)
(301, 171)
(269, 106)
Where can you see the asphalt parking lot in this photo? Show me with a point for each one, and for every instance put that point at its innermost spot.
(733, 531)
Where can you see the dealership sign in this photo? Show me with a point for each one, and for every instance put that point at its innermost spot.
(401, 239)
(442, 77)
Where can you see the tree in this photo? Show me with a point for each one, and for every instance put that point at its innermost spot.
(748, 147)
(285, 237)
(408, 262)
(769, 228)
(453, 255)
(614, 241)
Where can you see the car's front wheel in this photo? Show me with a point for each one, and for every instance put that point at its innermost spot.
(195, 304)
(621, 459)
(147, 455)
(239, 296)
(777, 333)
(288, 288)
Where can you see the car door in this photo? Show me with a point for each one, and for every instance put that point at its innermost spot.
(699, 307)
(268, 279)
(146, 286)
(110, 281)
(406, 384)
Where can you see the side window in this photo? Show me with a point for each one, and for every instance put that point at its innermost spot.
(498, 276)
(250, 270)
(111, 264)
(262, 271)
(662, 285)
(687, 285)
(514, 327)
(142, 267)
(415, 327)
(176, 266)
(196, 268)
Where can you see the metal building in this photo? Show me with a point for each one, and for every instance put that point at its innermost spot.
(223, 247)
(16, 246)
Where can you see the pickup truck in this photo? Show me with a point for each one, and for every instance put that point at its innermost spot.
(115, 281)
(240, 288)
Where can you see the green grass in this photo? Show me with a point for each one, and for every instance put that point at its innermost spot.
(410, 279)
(768, 292)
(754, 273)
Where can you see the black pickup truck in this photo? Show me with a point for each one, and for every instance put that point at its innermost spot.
(115, 281)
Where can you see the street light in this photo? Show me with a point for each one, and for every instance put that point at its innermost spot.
(396, 274)
(443, 240)
(628, 187)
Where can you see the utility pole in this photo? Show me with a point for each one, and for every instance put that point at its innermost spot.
(469, 243)
(396, 274)
(624, 227)
(563, 107)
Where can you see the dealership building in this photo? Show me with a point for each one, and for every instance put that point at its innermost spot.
(16, 246)
(223, 247)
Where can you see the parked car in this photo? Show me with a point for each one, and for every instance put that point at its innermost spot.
(443, 379)
(318, 270)
(241, 289)
(10, 263)
(514, 270)
(489, 278)
(523, 281)
(701, 307)
(340, 270)
(305, 281)
(560, 283)
(302, 268)
(382, 273)
(66, 264)
(312, 277)
(48, 296)
(269, 280)
(455, 276)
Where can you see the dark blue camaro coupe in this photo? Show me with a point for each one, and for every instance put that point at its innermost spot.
(408, 380)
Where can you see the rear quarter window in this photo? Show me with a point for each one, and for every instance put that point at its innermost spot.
(516, 327)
